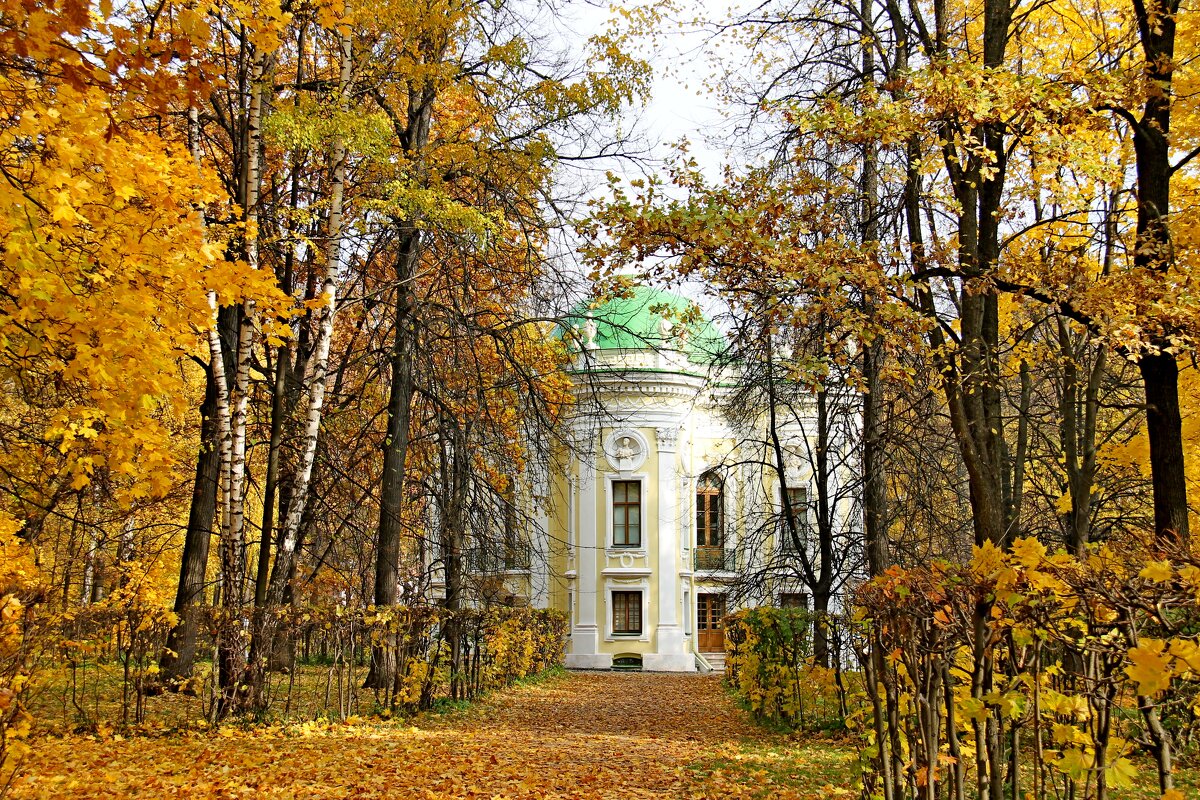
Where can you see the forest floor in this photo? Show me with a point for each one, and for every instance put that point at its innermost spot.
(582, 735)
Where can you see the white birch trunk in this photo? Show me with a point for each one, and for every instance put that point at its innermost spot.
(224, 430)
(89, 568)
(320, 361)
(234, 533)
(126, 551)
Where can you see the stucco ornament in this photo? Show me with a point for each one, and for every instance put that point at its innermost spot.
(625, 450)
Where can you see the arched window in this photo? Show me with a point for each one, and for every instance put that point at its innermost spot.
(710, 503)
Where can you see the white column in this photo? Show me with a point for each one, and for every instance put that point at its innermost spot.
(670, 655)
(585, 636)
(539, 575)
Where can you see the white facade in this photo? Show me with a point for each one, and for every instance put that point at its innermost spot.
(662, 513)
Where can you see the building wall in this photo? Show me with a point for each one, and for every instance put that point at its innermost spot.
(671, 415)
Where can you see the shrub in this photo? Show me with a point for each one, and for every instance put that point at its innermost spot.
(20, 640)
(769, 663)
(1026, 673)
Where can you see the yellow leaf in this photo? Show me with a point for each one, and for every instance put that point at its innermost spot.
(1150, 667)
(1029, 552)
(1121, 774)
(986, 560)
(1188, 652)
(1157, 571)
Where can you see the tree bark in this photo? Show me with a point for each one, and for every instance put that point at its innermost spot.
(874, 472)
(233, 405)
(395, 451)
(412, 129)
(823, 587)
(289, 534)
(179, 654)
(1155, 252)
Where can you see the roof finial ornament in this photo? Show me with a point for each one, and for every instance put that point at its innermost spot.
(665, 326)
(589, 331)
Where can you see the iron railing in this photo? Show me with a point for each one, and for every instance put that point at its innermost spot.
(715, 559)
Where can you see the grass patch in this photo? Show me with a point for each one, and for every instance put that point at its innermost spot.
(93, 698)
(555, 673)
(824, 767)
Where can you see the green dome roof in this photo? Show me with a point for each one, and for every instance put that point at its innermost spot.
(635, 323)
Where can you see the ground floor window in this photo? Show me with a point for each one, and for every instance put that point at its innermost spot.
(627, 612)
(793, 600)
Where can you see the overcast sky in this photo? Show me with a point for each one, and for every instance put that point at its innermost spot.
(684, 59)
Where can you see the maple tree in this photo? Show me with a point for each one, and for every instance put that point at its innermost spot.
(303, 248)
(966, 181)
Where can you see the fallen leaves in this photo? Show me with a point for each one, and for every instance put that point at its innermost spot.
(582, 736)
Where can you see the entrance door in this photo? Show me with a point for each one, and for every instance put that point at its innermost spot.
(710, 630)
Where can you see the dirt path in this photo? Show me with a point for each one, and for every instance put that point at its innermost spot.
(603, 735)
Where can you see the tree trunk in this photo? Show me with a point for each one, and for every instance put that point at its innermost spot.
(395, 451)
(412, 131)
(282, 366)
(289, 534)
(1160, 376)
(455, 483)
(1155, 252)
(874, 474)
(823, 587)
(179, 654)
(233, 404)
(874, 470)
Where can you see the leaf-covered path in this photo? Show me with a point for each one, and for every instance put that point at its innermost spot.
(606, 735)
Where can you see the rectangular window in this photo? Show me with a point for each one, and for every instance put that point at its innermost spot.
(798, 500)
(627, 513)
(627, 612)
(793, 600)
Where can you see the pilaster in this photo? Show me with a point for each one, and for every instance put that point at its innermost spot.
(585, 635)
(671, 653)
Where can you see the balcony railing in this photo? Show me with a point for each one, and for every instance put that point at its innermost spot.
(785, 544)
(498, 558)
(715, 559)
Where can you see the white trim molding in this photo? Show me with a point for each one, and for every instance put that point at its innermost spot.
(641, 586)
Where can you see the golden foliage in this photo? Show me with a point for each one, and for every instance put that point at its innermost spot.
(770, 664)
(1072, 645)
(585, 736)
(20, 589)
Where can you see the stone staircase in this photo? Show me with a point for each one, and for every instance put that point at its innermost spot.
(716, 661)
